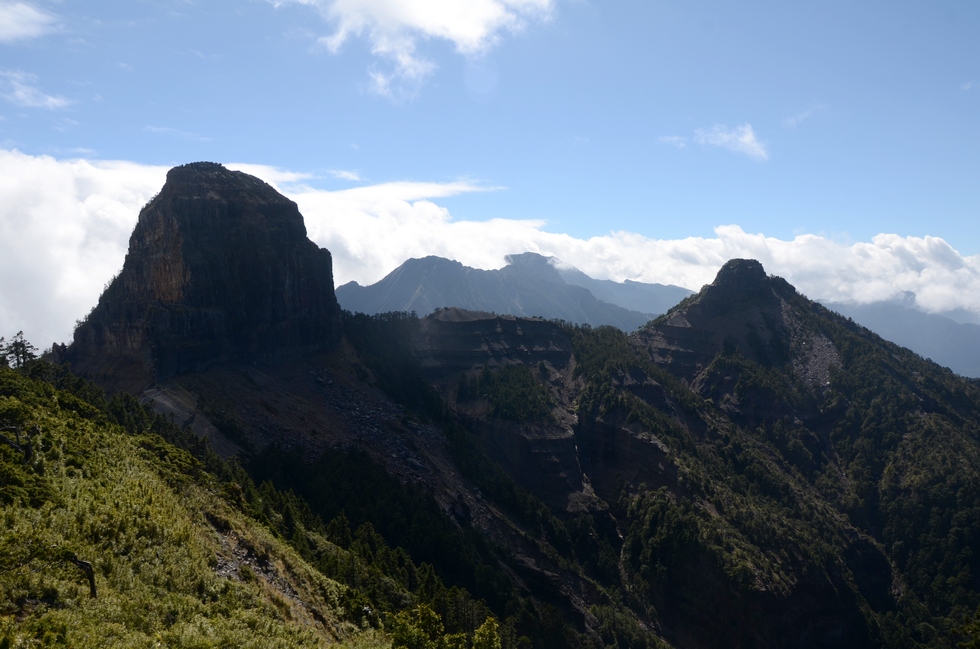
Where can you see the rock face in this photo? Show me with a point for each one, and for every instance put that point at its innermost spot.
(219, 269)
(742, 309)
(455, 340)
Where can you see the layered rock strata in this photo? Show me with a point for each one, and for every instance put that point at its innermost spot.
(219, 269)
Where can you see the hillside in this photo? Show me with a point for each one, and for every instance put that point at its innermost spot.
(174, 559)
(122, 529)
(953, 344)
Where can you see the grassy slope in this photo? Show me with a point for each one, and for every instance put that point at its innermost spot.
(147, 517)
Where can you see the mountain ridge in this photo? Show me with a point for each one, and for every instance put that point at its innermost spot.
(947, 341)
(530, 285)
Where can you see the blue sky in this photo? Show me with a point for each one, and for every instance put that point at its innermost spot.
(663, 120)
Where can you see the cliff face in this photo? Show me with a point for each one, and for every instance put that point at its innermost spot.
(455, 340)
(742, 309)
(219, 269)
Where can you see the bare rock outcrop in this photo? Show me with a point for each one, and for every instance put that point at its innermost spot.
(454, 340)
(742, 309)
(219, 269)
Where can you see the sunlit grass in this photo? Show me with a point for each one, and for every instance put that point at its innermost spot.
(130, 506)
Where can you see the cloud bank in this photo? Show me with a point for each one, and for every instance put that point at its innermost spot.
(64, 229)
(395, 29)
(65, 226)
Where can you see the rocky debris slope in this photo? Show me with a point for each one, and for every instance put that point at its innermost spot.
(219, 269)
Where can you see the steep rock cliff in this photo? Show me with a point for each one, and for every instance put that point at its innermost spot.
(219, 269)
(741, 309)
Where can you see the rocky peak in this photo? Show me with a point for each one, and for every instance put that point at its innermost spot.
(742, 309)
(738, 279)
(219, 269)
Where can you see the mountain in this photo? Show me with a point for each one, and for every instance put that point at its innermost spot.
(534, 285)
(639, 296)
(530, 285)
(953, 344)
(748, 469)
(219, 268)
(776, 475)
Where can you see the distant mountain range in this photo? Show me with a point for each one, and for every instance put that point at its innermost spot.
(953, 344)
(530, 285)
(535, 285)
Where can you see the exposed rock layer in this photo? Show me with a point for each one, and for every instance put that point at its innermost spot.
(454, 340)
(742, 309)
(219, 269)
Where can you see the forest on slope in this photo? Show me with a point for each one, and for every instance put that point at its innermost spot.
(120, 528)
(860, 492)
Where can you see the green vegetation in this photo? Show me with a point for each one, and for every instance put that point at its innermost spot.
(512, 392)
(183, 551)
(758, 496)
(761, 487)
(78, 489)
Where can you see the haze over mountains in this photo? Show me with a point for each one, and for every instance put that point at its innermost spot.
(953, 344)
(535, 285)
(529, 285)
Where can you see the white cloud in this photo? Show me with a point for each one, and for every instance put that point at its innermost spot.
(673, 140)
(65, 225)
(968, 85)
(394, 29)
(18, 88)
(64, 229)
(274, 176)
(795, 120)
(344, 174)
(21, 21)
(740, 139)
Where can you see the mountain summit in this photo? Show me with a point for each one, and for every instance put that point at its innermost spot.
(219, 268)
(529, 285)
(741, 309)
